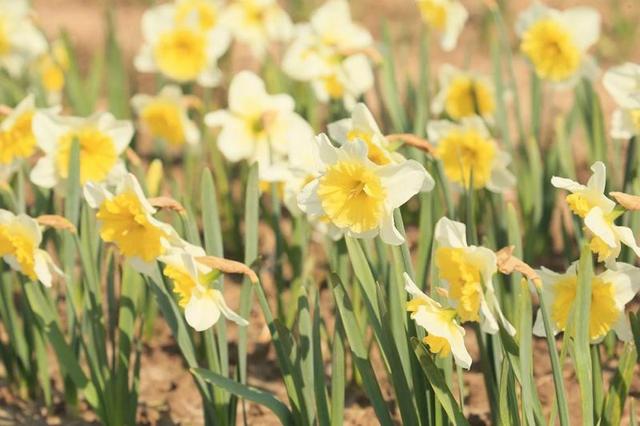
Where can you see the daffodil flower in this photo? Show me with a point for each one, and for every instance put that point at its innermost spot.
(102, 140)
(257, 23)
(467, 149)
(191, 281)
(330, 53)
(20, 238)
(257, 126)
(467, 272)
(463, 94)
(610, 292)
(359, 196)
(556, 42)
(444, 334)
(20, 41)
(583, 198)
(204, 13)
(165, 116)
(51, 68)
(180, 48)
(623, 84)
(446, 17)
(125, 218)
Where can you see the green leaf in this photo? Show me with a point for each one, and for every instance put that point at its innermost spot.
(619, 387)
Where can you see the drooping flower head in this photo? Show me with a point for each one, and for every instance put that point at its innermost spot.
(610, 292)
(467, 272)
(556, 42)
(623, 84)
(359, 196)
(102, 140)
(444, 334)
(445, 17)
(20, 41)
(463, 94)
(467, 150)
(20, 238)
(165, 116)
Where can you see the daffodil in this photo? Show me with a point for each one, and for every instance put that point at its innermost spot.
(556, 42)
(192, 283)
(357, 195)
(181, 46)
(165, 116)
(444, 334)
(445, 17)
(204, 13)
(20, 238)
(463, 94)
(467, 274)
(20, 41)
(330, 52)
(610, 292)
(125, 218)
(51, 68)
(583, 198)
(258, 23)
(257, 126)
(623, 84)
(101, 137)
(467, 150)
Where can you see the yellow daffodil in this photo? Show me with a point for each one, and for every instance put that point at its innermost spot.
(177, 46)
(330, 53)
(192, 283)
(610, 292)
(444, 334)
(359, 196)
(20, 238)
(556, 42)
(257, 126)
(101, 137)
(463, 94)
(445, 17)
(467, 273)
(165, 116)
(125, 218)
(467, 149)
(257, 23)
(623, 84)
(20, 41)
(51, 68)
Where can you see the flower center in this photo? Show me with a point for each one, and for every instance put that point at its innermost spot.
(181, 53)
(17, 141)
(126, 224)
(465, 151)
(203, 10)
(163, 119)
(97, 154)
(183, 283)
(352, 196)
(434, 13)
(464, 279)
(467, 97)
(600, 248)
(333, 86)
(579, 204)
(376, 154)
(551, 49)
(18, 245)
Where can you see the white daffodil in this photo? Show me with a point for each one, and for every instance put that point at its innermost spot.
(359, 196)
(467, 149)
(583, 198)
(330, 52)
(610, 292)
(446, 17)
(20, 41)
(206, 14)
(101, 137)
(179, 47)
(191, 281)
(125, 218)
(165, 116)
(463, 94)
(444, 334)
(258, 23)
(20, 237)
(556, 42)
(623, 84)
(257, 126)
(467, 271)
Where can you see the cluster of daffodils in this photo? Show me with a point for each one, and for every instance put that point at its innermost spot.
(332, 53)
(20, 40)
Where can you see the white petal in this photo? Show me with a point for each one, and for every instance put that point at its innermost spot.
(622, 328)
(327, 152)
(247, 94)
(584, 24)
(598, 180)
(227, 312)
(201, 312)
(449, 233)
(95, 194)
(388, 231)
(626, 236)
(44, 173)
(411, 287)
(402, 181)
(538, 325)
(456, 17)
(46, 131)
(568, 184)
(597, 224)
(235, 141)
(339, 130)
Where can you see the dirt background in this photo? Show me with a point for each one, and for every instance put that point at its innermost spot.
(168, 395)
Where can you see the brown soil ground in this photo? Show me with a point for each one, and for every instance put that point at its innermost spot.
(168, 395)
